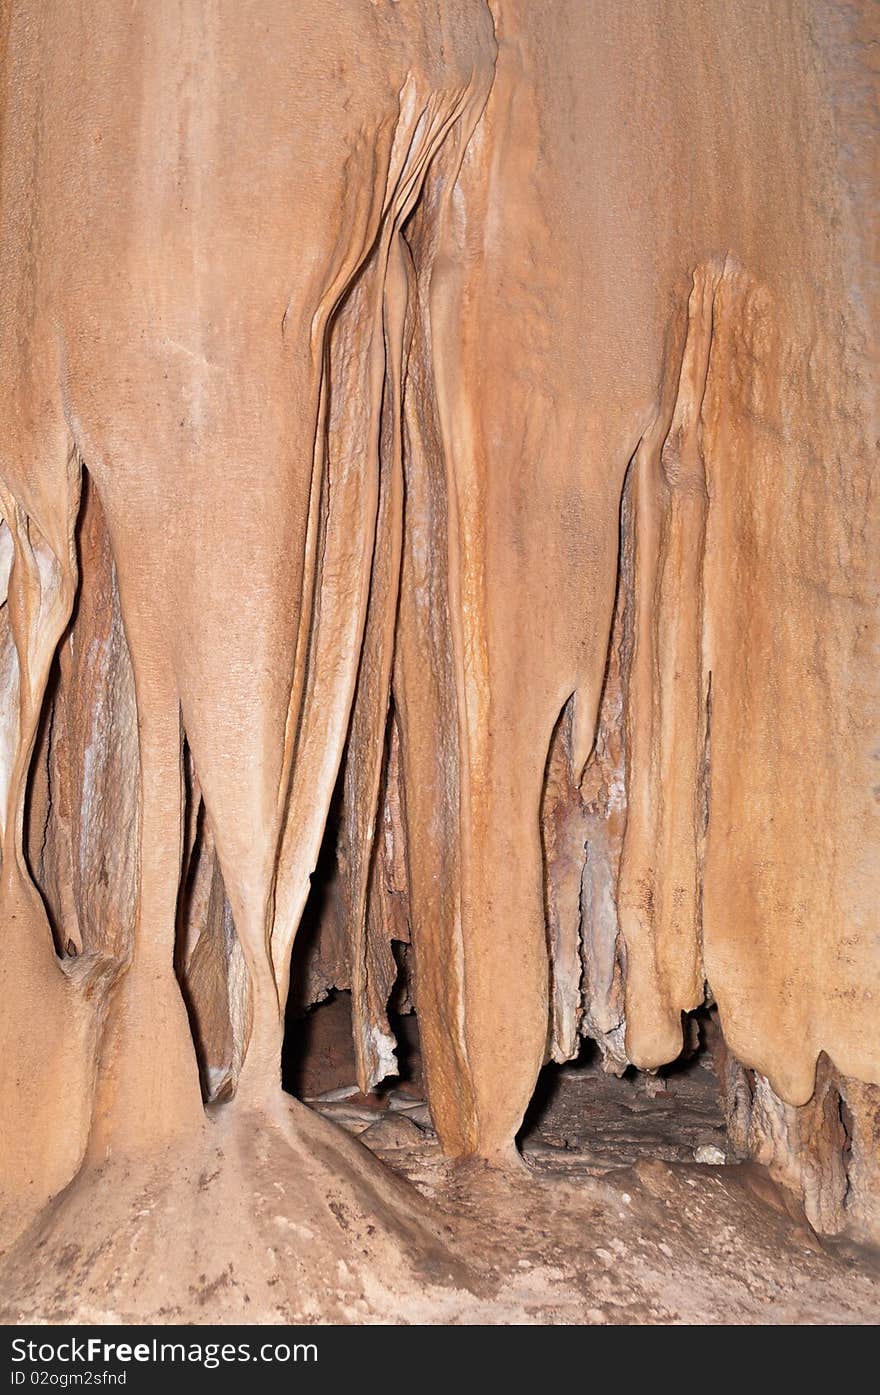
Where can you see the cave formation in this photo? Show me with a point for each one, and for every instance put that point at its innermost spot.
(438, 512)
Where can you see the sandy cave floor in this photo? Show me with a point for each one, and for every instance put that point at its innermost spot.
(622, 1211)
(626, 1211)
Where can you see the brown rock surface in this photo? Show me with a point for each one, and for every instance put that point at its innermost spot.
(444, 431)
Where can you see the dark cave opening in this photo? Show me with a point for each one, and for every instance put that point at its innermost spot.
(580, 1116)
(584, 1115)
(318, 1056)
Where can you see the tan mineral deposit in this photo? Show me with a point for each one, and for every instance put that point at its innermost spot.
(439, 734)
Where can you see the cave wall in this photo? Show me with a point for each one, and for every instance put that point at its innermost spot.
(716, 404)
(528, 509)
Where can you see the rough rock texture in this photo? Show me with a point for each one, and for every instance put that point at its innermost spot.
(436, 452)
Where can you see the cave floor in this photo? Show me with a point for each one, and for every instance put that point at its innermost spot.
(625, 1210)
